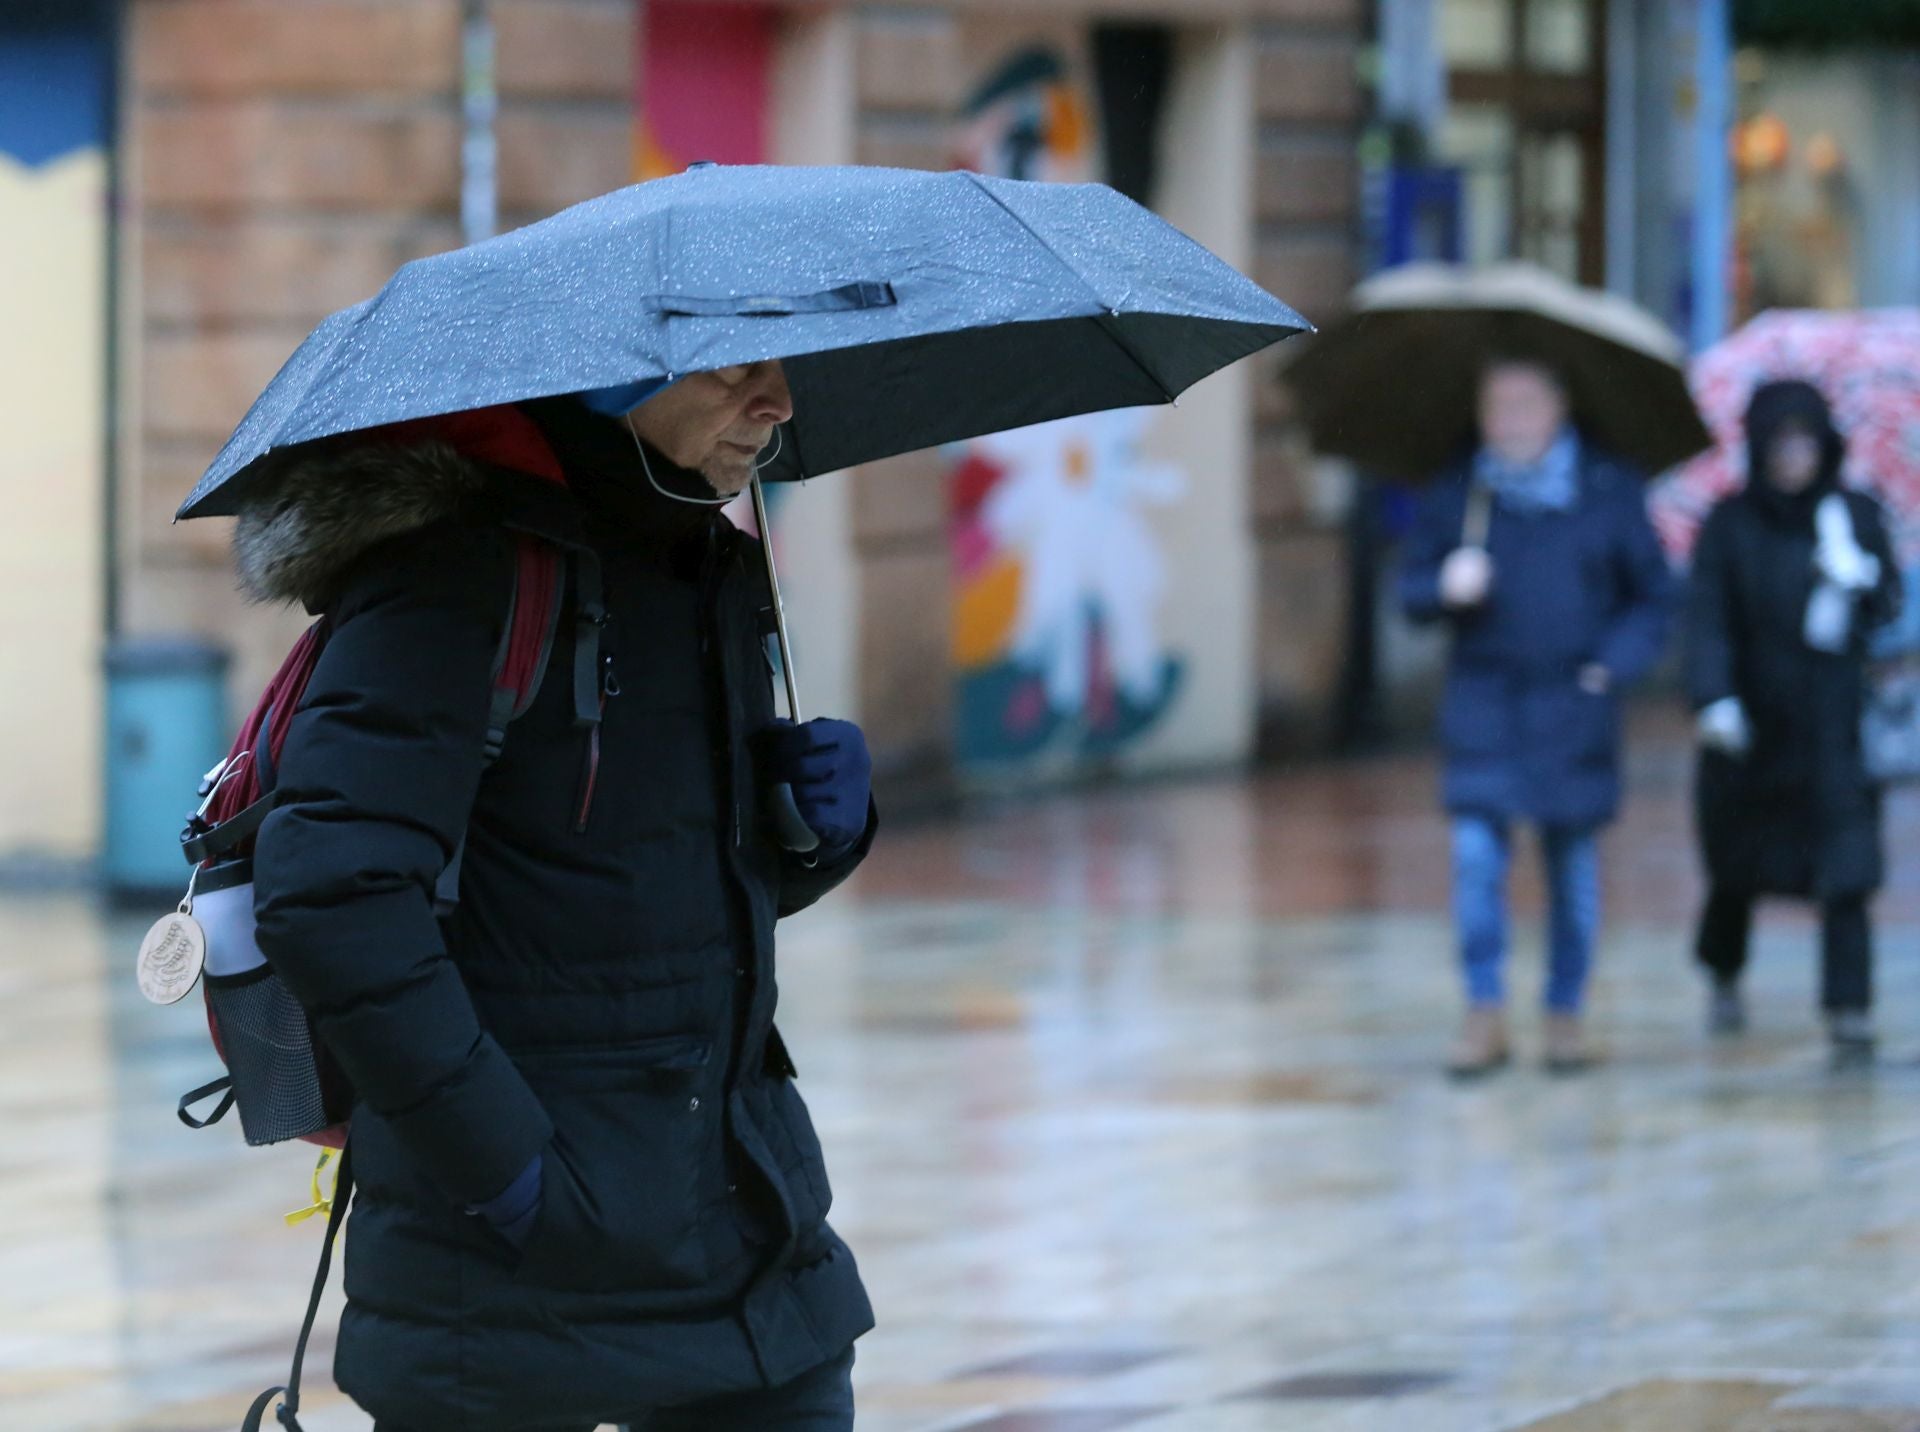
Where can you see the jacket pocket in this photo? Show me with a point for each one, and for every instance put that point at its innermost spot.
(626, 1179)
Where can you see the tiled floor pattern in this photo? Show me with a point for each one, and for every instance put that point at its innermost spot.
(1131, 1111)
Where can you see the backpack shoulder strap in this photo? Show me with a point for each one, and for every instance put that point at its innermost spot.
(526, 642)
(288, 1412)
(519, 662)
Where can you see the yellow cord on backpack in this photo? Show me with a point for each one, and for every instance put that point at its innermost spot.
(322, 1203)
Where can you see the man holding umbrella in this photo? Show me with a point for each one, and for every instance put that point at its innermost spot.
(567, 1074)
(1540, 556)
(1537, 553)
(588, 1190)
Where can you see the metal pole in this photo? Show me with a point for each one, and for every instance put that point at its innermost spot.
(779, 607)
(789, 826)
(1713, 181)
(480, 108)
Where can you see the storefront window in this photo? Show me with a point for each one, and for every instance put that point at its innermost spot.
(1559, 36)
(1477, 34)
(1479, 139)
(1552, 181)
(1526, 124)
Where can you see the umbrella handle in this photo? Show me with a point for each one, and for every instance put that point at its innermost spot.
(790, 828)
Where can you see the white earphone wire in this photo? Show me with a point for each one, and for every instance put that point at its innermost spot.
(682, 498)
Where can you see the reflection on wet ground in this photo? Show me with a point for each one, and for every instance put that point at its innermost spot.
(1131, 1107)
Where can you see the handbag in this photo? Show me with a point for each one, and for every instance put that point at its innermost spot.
(1890, 722)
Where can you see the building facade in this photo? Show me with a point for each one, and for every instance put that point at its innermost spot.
(273, 160)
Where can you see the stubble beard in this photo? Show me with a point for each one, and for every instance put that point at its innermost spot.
(727, 479)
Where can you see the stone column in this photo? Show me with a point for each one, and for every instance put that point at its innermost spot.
(1309, 112)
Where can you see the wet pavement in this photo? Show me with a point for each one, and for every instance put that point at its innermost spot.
(1131, 1104)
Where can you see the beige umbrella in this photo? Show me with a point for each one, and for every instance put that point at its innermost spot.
(1393, 385)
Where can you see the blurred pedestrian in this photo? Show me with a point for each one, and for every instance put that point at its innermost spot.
(1790, 577)
(1538, 554)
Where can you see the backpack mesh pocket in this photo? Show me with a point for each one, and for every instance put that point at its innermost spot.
(268, 1045)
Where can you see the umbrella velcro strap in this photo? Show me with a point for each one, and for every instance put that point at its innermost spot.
(845, 299)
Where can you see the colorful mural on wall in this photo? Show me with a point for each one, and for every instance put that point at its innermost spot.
(1058, 654)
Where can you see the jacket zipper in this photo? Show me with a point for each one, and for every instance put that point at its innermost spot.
(590, 773)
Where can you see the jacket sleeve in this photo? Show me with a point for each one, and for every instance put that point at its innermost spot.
(1638, 632)
(1710, 634)
(1882, 605)
(1435, 533)
(802, 885)
(378, 777)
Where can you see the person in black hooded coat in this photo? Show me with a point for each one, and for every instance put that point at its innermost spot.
(587, 1188)
(1790, 576)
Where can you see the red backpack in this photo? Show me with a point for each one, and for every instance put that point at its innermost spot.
(284, 1083)
(279, 1076)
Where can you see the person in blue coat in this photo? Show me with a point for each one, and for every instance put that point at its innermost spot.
(1539, 556)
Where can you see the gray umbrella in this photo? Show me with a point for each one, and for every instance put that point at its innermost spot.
(1393, 386)
(911, 308)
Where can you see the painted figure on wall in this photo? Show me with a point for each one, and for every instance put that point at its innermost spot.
(1057, 645)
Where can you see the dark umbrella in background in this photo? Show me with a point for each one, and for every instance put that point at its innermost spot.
(909, 308)
(1394, 385)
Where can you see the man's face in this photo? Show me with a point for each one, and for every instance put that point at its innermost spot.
(1522, 412)
(717, 423)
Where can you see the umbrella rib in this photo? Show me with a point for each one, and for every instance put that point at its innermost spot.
(1104, 320)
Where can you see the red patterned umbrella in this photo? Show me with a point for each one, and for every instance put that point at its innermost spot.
(1867, 364)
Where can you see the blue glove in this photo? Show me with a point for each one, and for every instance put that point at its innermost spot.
(512, 1211)
(827, 764)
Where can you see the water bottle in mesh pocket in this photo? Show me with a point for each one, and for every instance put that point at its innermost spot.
(268, 1044)
(283, 1084)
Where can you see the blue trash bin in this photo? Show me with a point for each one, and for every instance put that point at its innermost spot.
(166, 726)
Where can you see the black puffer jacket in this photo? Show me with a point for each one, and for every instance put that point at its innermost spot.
(1797, 815)
(603, 993)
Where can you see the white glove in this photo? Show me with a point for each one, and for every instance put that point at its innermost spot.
(1723, 727)
(1838, 555)
(1466, 576)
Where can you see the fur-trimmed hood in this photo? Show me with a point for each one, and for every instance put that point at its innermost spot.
(304, 524)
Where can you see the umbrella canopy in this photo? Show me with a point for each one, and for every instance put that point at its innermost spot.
(1394, 385)
(1867, 364)
(911, 308)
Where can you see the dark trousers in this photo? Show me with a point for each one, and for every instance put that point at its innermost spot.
(817, 1401)
(1846, 945)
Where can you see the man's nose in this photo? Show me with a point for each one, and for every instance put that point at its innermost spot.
(769, 399)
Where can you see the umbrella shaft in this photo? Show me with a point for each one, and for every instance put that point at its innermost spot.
(779, 607)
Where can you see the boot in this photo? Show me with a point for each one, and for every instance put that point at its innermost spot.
(1850, 1038)
(1567, 1049)
(1726, 1010)
(1482, 1047)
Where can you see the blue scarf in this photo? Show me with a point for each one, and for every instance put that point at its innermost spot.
(1550, 485)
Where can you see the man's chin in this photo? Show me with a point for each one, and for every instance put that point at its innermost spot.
(726, 480)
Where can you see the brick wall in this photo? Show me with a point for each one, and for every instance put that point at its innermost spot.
(283, 157)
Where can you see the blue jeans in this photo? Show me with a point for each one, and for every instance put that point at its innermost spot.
(1482, 854)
